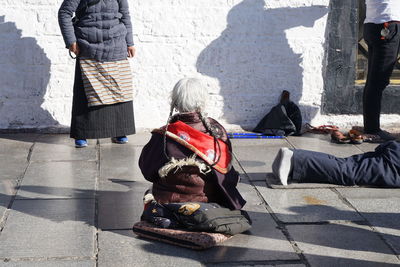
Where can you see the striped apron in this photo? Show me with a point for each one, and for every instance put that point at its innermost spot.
(106, 83)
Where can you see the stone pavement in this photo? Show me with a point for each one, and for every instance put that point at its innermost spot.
(61, 206)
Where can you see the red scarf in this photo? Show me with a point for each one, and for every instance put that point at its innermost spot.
(202, 144)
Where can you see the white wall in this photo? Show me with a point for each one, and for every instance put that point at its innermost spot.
(248, 52)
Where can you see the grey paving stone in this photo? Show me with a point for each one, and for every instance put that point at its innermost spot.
(12, 168)
(274, 182)
(3, 207)
(49, 228)
(366, 147)
(369, 193)
(382, 210)
(307, 205)
(257, 160)
(123, 248)
(13, 157)
(59, 139)
(255, 265)
(258, 142)
(120, 162)
(63, 151)
(120, 203)
(342, 245)
(7, 190)
(50, 263)
(139, 139)
(264, 241)
(19, 137)
(72, 179)
(322, 143)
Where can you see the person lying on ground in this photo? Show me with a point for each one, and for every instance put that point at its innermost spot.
(189, 159)
(378, 168)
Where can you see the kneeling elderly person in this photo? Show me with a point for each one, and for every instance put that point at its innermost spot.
(189, 159)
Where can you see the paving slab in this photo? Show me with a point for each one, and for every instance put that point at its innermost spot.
(64, 139)
(258, 264)
(18, 137)
(61, 148)
(382, 210)
(62, 152)
(12, 168)
(50, 263)
(322, 143)
(139, 139)
(263, 242)
(49, 228)
(123, 248)
(13, 158)
(367, 147)
(257, 160)
(4, 202)
(120, 203)
(342, 245)
(274, 182)
(258, 142)
(307, 205)
(369, 193)
(7, 190)
(71, 179)
(120, 162)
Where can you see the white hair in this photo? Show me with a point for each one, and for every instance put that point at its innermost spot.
(189, 95)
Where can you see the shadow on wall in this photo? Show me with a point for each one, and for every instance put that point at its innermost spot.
(24, 76)
(253, 61)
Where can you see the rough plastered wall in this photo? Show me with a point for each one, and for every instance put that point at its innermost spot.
(247, 52)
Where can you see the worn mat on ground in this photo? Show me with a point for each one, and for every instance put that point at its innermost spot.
(188, 239)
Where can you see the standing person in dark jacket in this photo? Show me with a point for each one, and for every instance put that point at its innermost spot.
(189, 159)
(378, 168)
(100, 35)
(381, 33)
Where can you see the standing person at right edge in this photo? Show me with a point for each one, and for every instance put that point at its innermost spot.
(381, 33)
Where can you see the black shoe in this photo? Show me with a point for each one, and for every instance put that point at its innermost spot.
(380, 136)
(385, 135)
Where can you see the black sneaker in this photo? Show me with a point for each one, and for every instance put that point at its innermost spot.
(379, 137)
(385, 135)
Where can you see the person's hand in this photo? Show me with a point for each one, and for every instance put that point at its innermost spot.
(131, 51)
(74, 48)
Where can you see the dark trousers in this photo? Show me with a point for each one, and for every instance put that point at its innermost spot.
(382, 56)
(378, 168)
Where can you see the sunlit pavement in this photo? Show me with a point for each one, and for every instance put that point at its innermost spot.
(63, 206)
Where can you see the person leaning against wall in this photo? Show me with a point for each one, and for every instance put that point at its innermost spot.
(100, 35)
(381, 33)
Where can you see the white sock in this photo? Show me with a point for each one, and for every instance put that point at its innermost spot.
(282, 164)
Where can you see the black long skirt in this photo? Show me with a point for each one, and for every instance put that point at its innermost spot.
(99, 121)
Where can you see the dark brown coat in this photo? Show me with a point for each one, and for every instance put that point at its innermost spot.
(188, 183)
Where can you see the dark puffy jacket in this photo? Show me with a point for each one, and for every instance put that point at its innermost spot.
(103, 32)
